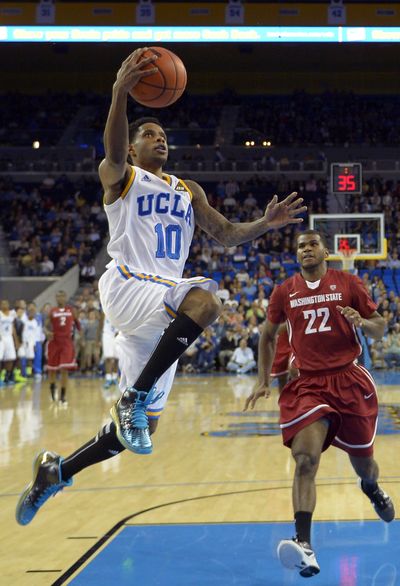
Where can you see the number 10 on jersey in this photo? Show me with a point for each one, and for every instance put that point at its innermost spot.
(169, 239)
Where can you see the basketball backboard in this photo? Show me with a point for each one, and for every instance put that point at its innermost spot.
(365, 232)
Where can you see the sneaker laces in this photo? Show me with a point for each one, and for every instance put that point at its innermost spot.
(136, 414)
(51, 490)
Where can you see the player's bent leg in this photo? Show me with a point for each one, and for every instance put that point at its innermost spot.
(202, 306)
(368, 472)
(47, 481)
(297, 553)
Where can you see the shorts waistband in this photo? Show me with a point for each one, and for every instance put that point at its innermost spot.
(326, 371)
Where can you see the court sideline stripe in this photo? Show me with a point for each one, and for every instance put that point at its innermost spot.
(92, 550)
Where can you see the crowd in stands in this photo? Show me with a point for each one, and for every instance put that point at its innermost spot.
(229, 345)
(25, 118)
(300, 118)
(331, 118)
(53, 226)
(59, 223)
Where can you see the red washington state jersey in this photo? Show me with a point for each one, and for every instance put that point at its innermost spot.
(62, 322)
(321, 338)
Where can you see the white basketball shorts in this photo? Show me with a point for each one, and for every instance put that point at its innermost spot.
(27, 350)
(140, 306)
(7, 349)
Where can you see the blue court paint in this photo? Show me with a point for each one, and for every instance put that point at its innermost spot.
(388, 423)
(349, 553)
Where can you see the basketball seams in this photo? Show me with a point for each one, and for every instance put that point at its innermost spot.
(176, 80)
(173, 89)
(166, 95)
(162, 88)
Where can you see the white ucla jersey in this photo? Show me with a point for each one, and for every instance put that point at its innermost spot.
(6, 323)
(151, 225)
(32, 331)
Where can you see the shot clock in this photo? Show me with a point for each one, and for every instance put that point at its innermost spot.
(346, 178)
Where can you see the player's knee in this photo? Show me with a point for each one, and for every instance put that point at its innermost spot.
(306, 464)
(213, 306)
(202, 306)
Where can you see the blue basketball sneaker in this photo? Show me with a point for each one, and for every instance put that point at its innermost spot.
(46, 482)
(130, 418)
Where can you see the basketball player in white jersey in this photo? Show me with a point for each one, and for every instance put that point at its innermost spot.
(31, 334)
(8, 341)
(159, 314)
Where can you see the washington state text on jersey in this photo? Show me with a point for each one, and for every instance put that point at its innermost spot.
(314, 299)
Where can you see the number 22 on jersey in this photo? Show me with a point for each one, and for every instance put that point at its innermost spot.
(315, 324)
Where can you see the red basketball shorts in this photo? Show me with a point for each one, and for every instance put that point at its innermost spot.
(281, 362)
(347, 398)
(61, 354)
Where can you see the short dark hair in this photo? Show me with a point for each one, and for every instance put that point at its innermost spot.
(134, 126)
(310, 231)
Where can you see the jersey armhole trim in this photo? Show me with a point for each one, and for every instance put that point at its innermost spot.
(129, 184)
(187, 189)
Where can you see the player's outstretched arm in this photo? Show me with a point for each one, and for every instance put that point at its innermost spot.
(277, 215)
(114, 170)
(373, 327)
(266, 353)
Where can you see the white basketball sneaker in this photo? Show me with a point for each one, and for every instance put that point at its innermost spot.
(298, 555)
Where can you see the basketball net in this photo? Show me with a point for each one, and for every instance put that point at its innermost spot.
(348, 257)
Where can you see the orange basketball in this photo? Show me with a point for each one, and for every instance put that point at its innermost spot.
(164, 87)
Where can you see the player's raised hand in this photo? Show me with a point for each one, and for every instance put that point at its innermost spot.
(351, 315)
(131, 70)
(281, 213)
(260, 390)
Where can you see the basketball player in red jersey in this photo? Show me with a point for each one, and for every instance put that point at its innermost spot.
(283, 368)
(333, 401)
(60, 350)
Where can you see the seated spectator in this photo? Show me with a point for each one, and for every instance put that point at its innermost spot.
(223, 292)
(88, 272)
(249, 289)
(207, 351)
(242, 359)
(250, 201)
(255, 311)
(46, 266)
(391, 347)
(226, 348)
(188, 358)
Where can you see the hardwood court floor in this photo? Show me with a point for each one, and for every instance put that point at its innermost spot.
(205, 447)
